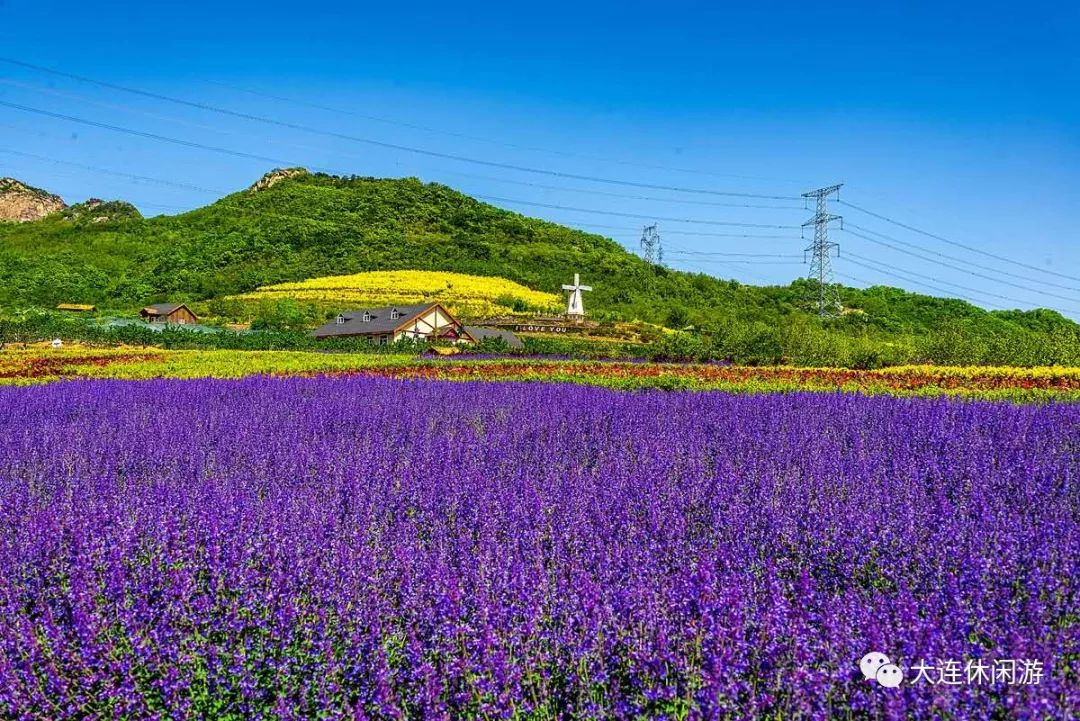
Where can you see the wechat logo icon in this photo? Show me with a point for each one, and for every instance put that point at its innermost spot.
(876, 666)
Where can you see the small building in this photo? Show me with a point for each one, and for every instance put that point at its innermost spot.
(575, 305)
(428, 321)
(478, 334)
(77, 307)
(177, 313)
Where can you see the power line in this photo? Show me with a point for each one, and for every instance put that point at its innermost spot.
(151, 136)
(228, 204)
(749, 262)
(279, 161)
(958, 244)
(368, 141)
(631, 215)
(132, 176)
(590, 191)
(959, 268)
(743, 271)
(173, 119)
(302, 146)
(962, 260)
(482, 139)
(222, 201)
(466, 175)
(692, 233)
(593, 191)
(734, 255)
(947, 293)
(112, 106)
(875, 266)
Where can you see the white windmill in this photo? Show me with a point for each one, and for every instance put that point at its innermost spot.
(575, 307)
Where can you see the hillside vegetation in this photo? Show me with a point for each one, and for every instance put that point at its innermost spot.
(303, 226)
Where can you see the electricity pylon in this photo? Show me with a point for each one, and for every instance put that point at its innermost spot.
(651, 248)
(828, 298)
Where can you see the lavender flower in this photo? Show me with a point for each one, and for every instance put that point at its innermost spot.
(377, 549)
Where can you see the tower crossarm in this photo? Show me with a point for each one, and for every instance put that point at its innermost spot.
(824, 219)
(822, 192)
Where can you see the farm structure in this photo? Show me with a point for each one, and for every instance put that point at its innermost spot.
(177, 313)
(429, 321)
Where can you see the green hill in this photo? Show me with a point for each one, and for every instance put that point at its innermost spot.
(296, 225)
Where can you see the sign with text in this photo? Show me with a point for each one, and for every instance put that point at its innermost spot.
(530, 328)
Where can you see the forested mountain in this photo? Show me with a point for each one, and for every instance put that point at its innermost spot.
(293, 225)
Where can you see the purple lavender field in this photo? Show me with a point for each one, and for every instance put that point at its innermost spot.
(364, 548)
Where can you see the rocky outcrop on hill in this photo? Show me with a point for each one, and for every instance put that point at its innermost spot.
(274, 176)
(95, 210)
(22, 203)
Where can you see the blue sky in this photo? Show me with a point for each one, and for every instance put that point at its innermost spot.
(961, 120)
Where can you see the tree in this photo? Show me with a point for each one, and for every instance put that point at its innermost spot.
(283, 314)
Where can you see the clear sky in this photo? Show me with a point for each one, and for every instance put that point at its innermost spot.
(962, 119)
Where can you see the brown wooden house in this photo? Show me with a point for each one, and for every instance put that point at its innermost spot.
(168, 313)
(429, 321)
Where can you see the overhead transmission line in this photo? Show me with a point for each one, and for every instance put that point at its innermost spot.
(742, 270)
(748, 262)
(358, 139)
(107, 171)
(733, 255)
(151, 136)
(288, 216)
(176, 120)
(958, 268)
(114, 106)
(186, 186)
(302, 146)
(482, 139)
(633, 215)
(594, 191)
(969, 248)
(220, 201)
(962, 260)
(946, 293)
(714, 257)
(755, 236)
(871, 264)
(277, 160)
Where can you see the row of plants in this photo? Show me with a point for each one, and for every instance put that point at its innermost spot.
(276, 334)
(37, 365)
(801, 342)
(41, 365)
(1016, 384)
(284, 324)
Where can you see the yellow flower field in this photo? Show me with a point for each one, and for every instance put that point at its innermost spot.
(466, 295)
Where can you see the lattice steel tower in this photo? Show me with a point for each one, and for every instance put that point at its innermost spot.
(652, 250)
(827, 298)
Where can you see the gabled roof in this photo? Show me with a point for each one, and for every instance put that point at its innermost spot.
(479, 334)
(380, 322)
(161, 308)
